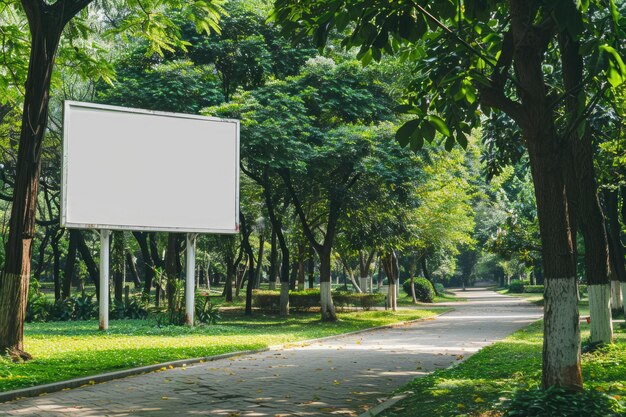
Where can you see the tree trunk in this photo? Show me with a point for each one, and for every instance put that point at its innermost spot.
(561, 347)
(311, 267)
(228, 285)
(412, 269)
(132, 266)
(70, 264)
(326, 300)
(41, 259)
(171, 270)
(273, 275)
(365, 263)
(245, 242)
(259, 267)
(390, 265)
(583, 199)
(118, 265)
(56, 263)
(46, 22)
(87, 258)
(301, 275)
(148, 264)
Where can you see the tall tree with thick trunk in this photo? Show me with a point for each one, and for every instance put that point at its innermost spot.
(46, 23)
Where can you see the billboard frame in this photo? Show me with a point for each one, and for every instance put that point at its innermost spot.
(95, 226)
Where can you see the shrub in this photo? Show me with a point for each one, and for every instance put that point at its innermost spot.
(582, 289)
(517, 286)
(307, 299)
(84, 307)
(424, 290)
(366, 301)
(38, 308)
(439, 288)
(206, 312)
(559, 402)
(533, 289)
(62, 310)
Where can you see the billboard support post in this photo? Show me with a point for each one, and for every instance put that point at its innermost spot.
(190, 285)
(104, 279)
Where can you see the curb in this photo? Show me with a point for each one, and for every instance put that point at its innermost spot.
(110, 376)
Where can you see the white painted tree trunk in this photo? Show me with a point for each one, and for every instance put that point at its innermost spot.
(364, 284)
(616, 295)
(561, 345)
(600, 313)
(326, 300)
(356, 286)
(392, 293)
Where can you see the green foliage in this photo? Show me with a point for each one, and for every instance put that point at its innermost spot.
(206, 312)
(308, 299)
(84, 307)
(136, 308)
(559, 402)
(365, 301)
(517, 286)
(424, 290)
(533, 289)
(439, 288)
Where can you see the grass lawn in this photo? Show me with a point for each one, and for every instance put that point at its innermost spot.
(477, 386)
(64, 350)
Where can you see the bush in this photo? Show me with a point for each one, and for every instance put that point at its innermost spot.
(439, 288)
(559, 402)
(517, 286)
(84, 307)
(307, 299)
(533, 289)
(365, 301)
(206, 312)
(135, 308)
(424, 290)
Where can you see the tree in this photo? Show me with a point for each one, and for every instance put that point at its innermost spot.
(46, 24)
(491, 55)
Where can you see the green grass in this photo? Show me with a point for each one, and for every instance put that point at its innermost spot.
(64, 350)
(477, 386)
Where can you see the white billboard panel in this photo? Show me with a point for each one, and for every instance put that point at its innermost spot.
(135, 169)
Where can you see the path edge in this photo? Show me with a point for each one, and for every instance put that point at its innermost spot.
(39, 390)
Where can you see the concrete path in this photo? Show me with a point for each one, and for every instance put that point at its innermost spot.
(344, 376)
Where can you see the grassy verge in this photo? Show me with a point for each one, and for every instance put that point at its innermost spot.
(65, 350)
(477, 386)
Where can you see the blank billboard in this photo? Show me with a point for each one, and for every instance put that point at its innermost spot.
(135, 169)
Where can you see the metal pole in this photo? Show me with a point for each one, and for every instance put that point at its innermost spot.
(104, 279)
(190, 286)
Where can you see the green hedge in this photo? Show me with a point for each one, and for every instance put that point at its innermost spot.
(307, 299)
(424, 290)
(517, 286)
(538, 289)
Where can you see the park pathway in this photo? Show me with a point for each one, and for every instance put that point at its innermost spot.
(343, 376)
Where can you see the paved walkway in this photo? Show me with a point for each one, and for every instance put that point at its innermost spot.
(345, 376)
